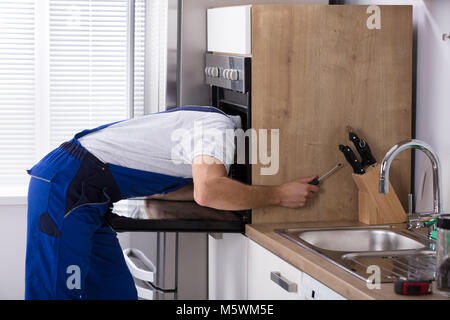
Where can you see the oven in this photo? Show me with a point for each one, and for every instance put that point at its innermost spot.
(229, 78)
(230, 84)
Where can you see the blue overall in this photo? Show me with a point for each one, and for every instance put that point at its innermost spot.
(72, 253)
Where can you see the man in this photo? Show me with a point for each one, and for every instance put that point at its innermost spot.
(71, 252)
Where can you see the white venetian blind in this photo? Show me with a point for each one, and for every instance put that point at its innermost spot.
(88, 65)
(139, 56)
(64, 67)
(156, 77)
(17, 90)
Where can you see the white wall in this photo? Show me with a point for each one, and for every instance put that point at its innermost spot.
(13, 228)
(13, 233)
(431, 20)
(433, 91)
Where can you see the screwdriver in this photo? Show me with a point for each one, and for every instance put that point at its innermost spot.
(316, 181)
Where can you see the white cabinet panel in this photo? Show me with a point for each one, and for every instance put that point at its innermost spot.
(261, 263)
(227, 267)
(229, 30)
(315, 290)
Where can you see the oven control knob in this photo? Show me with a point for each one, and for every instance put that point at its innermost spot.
(234, 75)
(212, 72)
(231, 74)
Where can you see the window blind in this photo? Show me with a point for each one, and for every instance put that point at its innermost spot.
(64, 68)
(17, 91)
(139, 56)
(156, 67)
(88, 65)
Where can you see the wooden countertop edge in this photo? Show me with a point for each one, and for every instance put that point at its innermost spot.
(324, 271)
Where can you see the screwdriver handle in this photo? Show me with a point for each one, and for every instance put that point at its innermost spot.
(314, 182)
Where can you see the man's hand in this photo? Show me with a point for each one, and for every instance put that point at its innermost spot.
(296, 193)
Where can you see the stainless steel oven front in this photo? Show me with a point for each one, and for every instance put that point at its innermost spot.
(229, 78)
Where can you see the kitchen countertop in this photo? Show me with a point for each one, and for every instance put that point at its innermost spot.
(317, 267)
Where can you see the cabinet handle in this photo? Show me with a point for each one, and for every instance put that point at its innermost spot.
(216, 235)
(283, 282)
(141, 274)
(144, 293)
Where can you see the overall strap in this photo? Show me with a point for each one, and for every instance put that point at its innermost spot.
(88, 131)
(195, 108)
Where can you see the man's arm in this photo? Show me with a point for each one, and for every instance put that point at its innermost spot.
(212, 188)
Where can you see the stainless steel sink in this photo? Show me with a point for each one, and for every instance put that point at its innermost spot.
(398, 252)
(354, 240)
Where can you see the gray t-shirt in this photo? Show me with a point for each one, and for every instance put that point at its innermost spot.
(166, 142)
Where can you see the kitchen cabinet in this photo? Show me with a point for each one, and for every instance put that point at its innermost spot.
(272, 278)
(229, 30)
(315, 290)
(261, 266)
(227, 266)
(315, 70)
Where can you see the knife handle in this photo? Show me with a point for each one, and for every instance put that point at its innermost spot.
(352, 159)
(363, 149)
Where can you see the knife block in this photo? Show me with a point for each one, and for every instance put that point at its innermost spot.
(374, 207)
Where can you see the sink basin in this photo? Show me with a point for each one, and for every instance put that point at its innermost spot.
(355, 240)
(397, 251)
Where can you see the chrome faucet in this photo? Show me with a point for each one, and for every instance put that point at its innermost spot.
(415, 220)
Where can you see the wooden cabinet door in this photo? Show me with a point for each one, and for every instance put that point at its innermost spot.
(317, 69)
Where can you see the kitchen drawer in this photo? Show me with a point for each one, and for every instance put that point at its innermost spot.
(229, 30)
(311, 289)
(262, 267)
